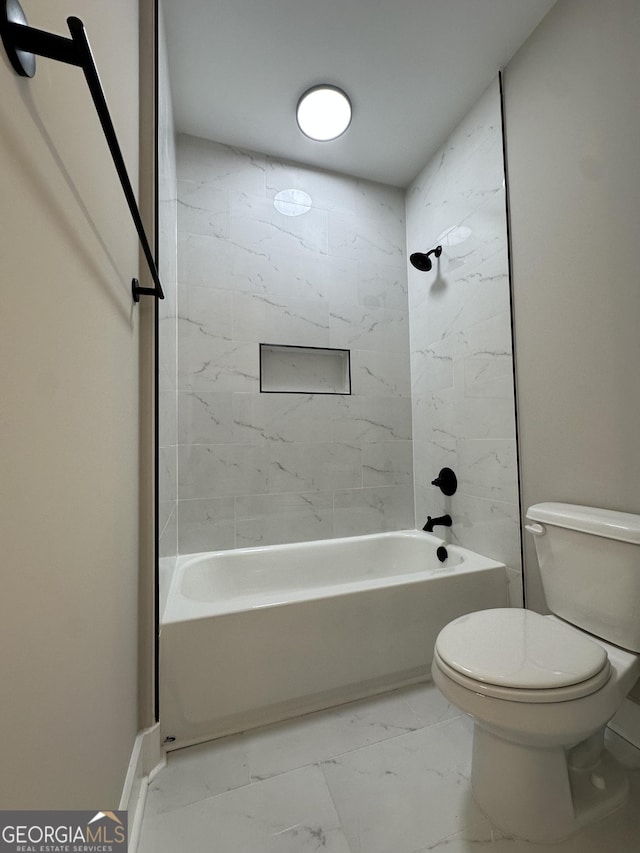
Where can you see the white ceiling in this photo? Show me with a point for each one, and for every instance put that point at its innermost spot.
(412, 69)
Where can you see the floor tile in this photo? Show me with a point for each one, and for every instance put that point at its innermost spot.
(196, 773)
(326, 734)
(476, 839)
(399, 795)
(290, 813)
(429, 703)
(393, 778)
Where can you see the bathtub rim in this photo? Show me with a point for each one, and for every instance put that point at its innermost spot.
(180, 608)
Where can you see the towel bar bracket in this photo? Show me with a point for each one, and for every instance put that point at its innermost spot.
(22, 43)
(137, 291)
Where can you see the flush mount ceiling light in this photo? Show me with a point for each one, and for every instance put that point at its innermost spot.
(324, 113)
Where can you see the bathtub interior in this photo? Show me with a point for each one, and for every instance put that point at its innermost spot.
(299, 567)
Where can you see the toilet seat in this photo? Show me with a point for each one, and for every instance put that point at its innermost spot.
(521, 656)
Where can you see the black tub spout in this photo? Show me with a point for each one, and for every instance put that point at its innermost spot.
(444, 521)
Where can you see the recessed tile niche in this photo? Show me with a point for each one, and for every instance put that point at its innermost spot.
(304, 370)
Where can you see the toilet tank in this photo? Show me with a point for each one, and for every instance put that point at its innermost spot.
(589, 562)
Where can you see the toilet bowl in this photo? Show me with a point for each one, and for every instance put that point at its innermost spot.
(541, 692)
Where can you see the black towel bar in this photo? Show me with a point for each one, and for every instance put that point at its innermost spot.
(22, 43)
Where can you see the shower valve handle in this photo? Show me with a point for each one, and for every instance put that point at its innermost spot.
(446, 481)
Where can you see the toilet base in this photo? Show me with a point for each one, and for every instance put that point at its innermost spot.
(532, 793)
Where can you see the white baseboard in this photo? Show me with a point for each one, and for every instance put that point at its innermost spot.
(626, 722)
(147, 758)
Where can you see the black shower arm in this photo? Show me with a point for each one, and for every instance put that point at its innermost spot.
(20, 39)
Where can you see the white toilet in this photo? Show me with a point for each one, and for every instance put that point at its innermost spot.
(541, 689)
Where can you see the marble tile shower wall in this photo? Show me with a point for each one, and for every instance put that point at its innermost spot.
(270, 468)
(461, 348)
(167, 307)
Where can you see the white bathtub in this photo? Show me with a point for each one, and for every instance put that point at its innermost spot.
(257, 635)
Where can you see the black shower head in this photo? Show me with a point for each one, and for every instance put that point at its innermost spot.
(422, 261)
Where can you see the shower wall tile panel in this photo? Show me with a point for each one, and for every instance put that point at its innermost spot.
(167, 308)
(255, 468)
(461, 349)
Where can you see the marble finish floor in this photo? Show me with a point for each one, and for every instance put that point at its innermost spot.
(388, 774)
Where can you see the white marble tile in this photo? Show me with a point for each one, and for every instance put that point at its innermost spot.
(218, 470)
(487, 527)
(277, 518)
(488, 378)
(373, 510)
(432, 365)
(355, 327)
(297, 417)
(429, 458)
(202, 209)
(434, 418)
(490, 338)
(488, 468)
(514, 587)
(166, 507)
(222, 166)
(248, 417)
(382, 286)
(487, 236)
(365, 419)
(204, 312)
(400, 794)
(166, 568)
(478, 838)
(475, 180)
(324, 466)
(198, 773)
(206, 260)
(330, 192)
(209, 364)
(307, 232)
(297, 274)
(424, 199)
(478, 416)
(387, 463)
(381, 203)
(206, 525)
(366, 239)
(205, 417)
(484, 417)
(297, 322)
(167, 472)
(168, 541)
(248, 234)
(483, 290)
(168, 346)
(291, 813)
(380, 374)
(327, 734)
(429, 703)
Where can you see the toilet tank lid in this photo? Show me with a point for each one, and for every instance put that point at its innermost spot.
(624, 526)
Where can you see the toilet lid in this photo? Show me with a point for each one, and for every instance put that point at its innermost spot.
(520, 649)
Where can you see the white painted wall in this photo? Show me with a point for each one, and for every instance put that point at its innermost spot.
(69, 457)
(573, 124)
